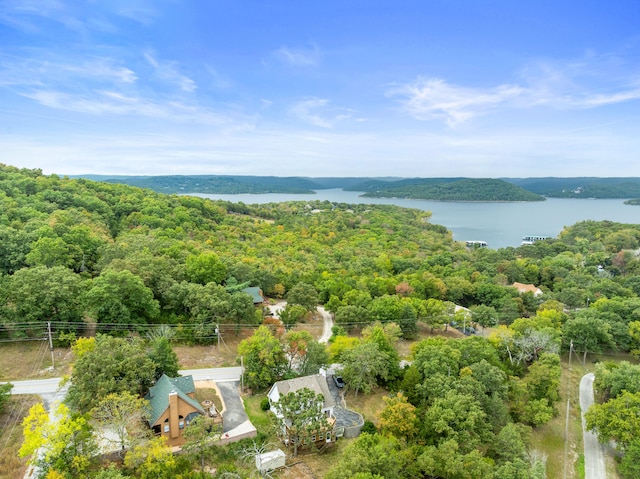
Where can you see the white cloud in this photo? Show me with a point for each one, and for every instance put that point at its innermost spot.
(314, 111)
(168, 71)
(590, 81)
(298, 56)
(433, 98)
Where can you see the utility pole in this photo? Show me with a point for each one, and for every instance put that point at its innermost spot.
(218, 335)
(53, 363)
(242, 373)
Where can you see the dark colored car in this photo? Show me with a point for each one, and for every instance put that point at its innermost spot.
(339, 381)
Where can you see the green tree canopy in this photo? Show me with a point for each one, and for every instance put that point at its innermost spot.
(264, 358)
(114, 365)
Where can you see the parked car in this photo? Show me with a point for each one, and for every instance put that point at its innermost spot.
(339, 381)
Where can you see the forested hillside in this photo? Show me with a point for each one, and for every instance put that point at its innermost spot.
(98, 257)
(469, 189)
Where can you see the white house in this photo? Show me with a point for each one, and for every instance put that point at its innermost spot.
(316, 383)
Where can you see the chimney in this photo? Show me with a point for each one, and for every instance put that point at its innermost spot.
(173, 414)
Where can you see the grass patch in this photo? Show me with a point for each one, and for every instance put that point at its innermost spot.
(12, 466)
(209, 394)
(369, 405)
(259, 418)
(580, 467)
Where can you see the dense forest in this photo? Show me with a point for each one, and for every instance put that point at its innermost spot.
(93, 257)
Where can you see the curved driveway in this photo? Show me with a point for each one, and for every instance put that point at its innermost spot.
(594, 464)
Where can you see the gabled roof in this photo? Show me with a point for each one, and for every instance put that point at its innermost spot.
(255, 294)
(158, 395)
(317, 383)
(527, 288)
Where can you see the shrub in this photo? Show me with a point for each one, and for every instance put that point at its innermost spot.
(264, 404)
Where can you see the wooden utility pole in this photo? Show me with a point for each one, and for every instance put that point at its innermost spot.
(53, 362)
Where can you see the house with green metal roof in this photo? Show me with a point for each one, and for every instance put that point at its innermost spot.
(255, 293)
(172, 407)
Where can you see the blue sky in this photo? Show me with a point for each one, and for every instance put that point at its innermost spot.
(426, 88)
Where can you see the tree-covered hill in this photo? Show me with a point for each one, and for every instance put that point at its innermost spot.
(470, 189)
(581, 187)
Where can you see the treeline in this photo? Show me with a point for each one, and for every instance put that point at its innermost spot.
(220, 184)
(471, 189)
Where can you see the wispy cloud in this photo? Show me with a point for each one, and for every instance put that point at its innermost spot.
(105, 102)
(299, 56)
(39, 69)
(168, 71)
(315, 112)
(27, 15)
(433, 98)
(589, 82)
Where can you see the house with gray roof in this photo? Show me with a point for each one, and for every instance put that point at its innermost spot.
(172, 407)
(316, 383)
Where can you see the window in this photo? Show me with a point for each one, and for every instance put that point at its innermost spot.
(181, 422)
(166, 428)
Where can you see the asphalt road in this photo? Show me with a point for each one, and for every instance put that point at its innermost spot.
(594, 463)
(51, 386)
(234, 413)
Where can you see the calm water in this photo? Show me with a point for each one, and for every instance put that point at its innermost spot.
(499, 224)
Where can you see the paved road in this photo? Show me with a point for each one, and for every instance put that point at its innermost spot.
(594, 463)
(46, 387)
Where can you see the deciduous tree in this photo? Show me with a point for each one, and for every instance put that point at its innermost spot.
(121, 297)
(115, 365)
(124, 414)
(363, 365)
(264, 358)
(398, 417)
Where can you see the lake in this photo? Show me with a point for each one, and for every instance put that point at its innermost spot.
(499, 224)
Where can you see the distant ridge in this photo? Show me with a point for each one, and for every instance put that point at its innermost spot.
(459, 189)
